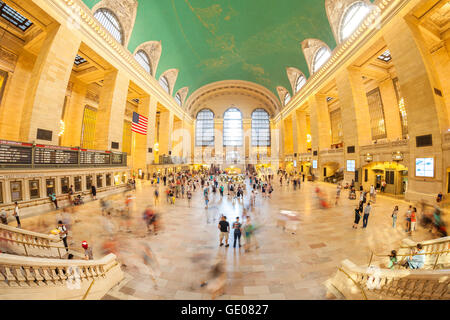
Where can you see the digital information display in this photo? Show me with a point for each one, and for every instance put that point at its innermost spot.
(425, 167)
(117, 158)
(55, 156)
(94, 158)
(314, 164)
(351, 165)
(10, 154)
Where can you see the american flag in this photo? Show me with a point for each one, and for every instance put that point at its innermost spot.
(140, 124)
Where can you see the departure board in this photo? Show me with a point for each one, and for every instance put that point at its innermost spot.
(55, 156)
(88, 157)
(11, 154)
(117, 158)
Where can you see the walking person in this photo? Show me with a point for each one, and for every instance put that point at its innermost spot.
(358, 213)
(156, 197)
(94, 192)
(224, 228)
(16, 214)
(408, 219)
(54, 199)
(366, 214)
(63, 233)
(71, 194)
(338, 193)
(237, 227)
(372, 192)
(413, 220)
(394, 217)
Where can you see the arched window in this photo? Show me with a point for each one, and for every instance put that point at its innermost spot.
(260, 128)
(143, 59)
(204, 129)
(232, 128)
(178, 99)
(287, 98)
(164, 83)
(322, 55)
(352, 18)
(110, 22)
(299, 83)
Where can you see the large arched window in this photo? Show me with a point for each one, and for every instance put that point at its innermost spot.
(322, 55)
(232, 128)
(204, 129)
(164, 83)
(260, 128)
(299, 83)
(143, 59)
(287, 98)
(352, 18)
(109, 20)
(178, 99)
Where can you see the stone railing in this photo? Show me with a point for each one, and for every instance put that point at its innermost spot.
(437, 252)
(29, 243)
(25, 278)
(364, 283)
(386, 145)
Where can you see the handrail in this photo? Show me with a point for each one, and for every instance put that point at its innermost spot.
(438, 253)
(29, 233)
(40, 245)
(89, 289)
(356, 283)
(403, 284)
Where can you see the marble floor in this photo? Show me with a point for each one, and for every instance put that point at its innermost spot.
(285, 266)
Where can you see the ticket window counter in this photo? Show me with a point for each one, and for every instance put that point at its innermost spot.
(99, 181)
(108, 179)
(16, 191)
(88, 182)
(117, 179)
(124, 178)
(50, 186)
(65, 185)
(34, 189)
(77, 184)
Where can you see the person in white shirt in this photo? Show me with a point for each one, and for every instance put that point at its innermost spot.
(16, 214)
(63, 234)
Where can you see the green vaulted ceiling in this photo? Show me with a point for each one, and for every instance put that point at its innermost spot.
(214, 40)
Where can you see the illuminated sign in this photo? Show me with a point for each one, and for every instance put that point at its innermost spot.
(351, 165)
(425, 167)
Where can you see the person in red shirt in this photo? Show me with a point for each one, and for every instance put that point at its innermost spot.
(413, 219)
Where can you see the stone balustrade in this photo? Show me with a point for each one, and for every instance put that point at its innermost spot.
(437, 252)
(359, 283)
(29, 243)
(27, 278)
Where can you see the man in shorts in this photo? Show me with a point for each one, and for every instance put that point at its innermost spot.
(224, 228)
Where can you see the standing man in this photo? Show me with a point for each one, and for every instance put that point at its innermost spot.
(366, 214)
(237, 227)
(87, 251)
(16, 214)
(224, 228)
